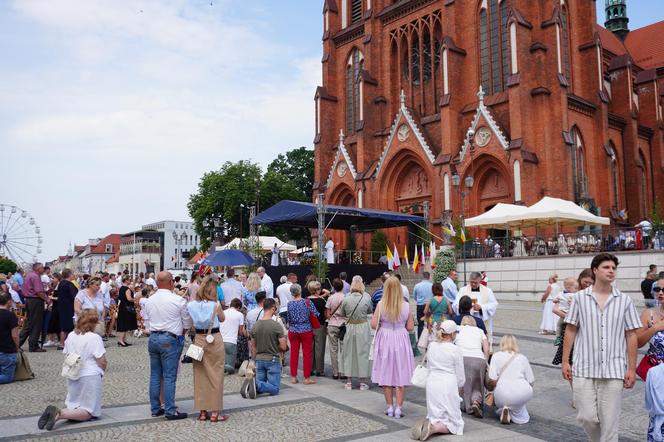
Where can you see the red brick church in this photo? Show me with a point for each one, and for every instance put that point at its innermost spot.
(527, 98)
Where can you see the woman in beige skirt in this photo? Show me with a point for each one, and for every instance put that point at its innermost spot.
(206, 314)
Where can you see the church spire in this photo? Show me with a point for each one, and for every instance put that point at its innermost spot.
(616, 17)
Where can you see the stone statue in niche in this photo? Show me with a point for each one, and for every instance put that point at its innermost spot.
(414, 183)
(342, 168)
(494, 185)
(482, 136)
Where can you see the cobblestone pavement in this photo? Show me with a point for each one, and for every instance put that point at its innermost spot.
(312, 420)
(323, 411)
(125, 382)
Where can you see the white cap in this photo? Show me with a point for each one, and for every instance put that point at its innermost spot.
(448, 327)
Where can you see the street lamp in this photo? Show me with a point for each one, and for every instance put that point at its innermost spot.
(468, 182)
(175, 238)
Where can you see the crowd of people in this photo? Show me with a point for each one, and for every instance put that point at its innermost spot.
(244, 324)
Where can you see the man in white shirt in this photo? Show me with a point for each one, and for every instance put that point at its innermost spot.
(232, 325)
(150, 281)
(284, 294)
(484, 301)
(329, 251)
(232, 288)
(268, 285)
(169, 319)
(105, 289)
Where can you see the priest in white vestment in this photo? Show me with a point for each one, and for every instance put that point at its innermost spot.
(275, 256)
(484, 301)
(329, 251)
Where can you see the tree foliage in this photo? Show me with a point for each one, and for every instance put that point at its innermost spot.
(222, 192)
(298, 166)
(7, 265)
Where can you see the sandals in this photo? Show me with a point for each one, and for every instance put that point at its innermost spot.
(218, 417)
(309, 381)
(202, 416)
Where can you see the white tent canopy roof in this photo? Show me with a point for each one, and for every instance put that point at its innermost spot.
(499, 216)
(551, 211)
(547, 211)
(266, 244)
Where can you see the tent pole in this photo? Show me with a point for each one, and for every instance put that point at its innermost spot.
(321, 228)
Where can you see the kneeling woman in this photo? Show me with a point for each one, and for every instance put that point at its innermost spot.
(84, 394)
(512, 377)
(446, 377)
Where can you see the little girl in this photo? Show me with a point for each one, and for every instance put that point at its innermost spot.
(561, 304)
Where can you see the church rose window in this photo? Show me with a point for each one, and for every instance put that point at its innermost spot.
(494, 46)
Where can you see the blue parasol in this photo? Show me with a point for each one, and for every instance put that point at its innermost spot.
(225, 258)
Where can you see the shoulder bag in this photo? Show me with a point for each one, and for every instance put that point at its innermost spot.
(194, 351)
(313, 319)
(421, 373)
(71, 366)
(373, 340)
(489, 399)
(23, 370)
(649, 360)
(342, 328)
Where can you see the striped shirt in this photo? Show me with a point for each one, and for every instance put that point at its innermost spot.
(600, 347)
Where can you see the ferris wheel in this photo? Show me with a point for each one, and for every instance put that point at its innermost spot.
(20, 236)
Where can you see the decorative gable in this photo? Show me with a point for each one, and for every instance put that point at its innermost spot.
(404, 115)
(342, 155)
(481, 135)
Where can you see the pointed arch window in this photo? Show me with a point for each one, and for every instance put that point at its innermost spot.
(353, 67)
(564, 42)
(494, 45)
(579, 167)
(613, 158)
(420, 62)
(643, 184)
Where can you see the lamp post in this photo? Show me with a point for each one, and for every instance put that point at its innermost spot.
(468, 183)
(183, 240)
(176, 239)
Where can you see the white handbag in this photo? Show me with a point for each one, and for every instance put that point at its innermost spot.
(71, 366)
(420, 374)
(194, 351)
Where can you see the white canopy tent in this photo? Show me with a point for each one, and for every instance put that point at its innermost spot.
(555, 211)
(499, 216)
(266, 244)
(546, 212)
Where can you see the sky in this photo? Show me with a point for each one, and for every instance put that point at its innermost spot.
(111, 111)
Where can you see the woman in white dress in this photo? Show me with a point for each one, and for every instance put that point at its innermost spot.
(512, 378)
(446, 376)
(84, 394)
(549, 319)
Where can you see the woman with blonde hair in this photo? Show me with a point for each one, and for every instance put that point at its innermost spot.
(475, 348)
(548, 324)
(357, 341)
(251, 287)
(393, 354)
(206, 314)
(446, 377)
(512, 378)
(84, 393)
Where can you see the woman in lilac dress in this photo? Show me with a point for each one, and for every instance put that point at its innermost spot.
(393, 354)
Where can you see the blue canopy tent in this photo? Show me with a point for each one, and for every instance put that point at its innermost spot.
(225, 258)
(288, 213)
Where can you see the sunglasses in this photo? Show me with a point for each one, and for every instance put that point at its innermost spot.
(658, 289)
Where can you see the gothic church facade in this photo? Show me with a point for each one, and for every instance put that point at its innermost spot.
(529, 98)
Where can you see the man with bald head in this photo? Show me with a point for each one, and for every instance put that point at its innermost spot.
(169, 320)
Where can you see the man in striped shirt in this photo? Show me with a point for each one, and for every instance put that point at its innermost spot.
(602, 324)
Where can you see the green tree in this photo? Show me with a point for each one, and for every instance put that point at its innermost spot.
(219, 195)
(445, 262)
(298, 166)
(7, 265)
(378, 242)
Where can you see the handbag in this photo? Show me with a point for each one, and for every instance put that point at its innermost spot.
(373, 340)
(423, 341)
(421, 373)
(649, 361)
(71, 366)
(489, 399)
(23, 371)
(342, 328)
(313, 319)
(194, 351)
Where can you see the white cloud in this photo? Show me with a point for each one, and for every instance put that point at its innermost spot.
(133, 107)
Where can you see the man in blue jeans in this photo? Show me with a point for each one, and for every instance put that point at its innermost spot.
(8, 340)
(169, 320)
(268, 339)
